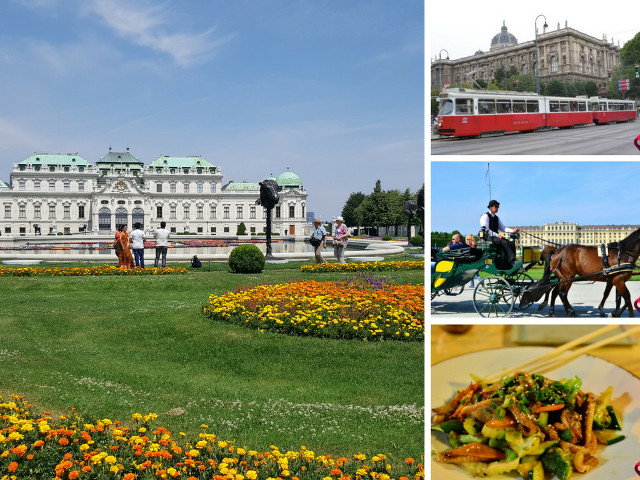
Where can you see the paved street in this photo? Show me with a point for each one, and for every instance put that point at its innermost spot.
(612, 139)
(584, 297)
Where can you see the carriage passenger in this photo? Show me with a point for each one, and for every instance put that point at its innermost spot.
(456, 244)
(493, 225)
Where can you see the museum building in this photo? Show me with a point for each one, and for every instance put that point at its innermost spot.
(565, 54)
(64, 193)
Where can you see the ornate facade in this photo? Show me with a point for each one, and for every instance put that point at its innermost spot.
(565, 233)
(565, 54)
(66, 194)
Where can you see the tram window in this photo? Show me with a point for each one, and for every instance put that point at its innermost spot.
(603, 106)
(446, 107)
(487, 105)
(503, 106)
(554, 106)
(533, 106)
(573, 106)
(518, 106)
(464, 106)
(564, 106)
(593, 107)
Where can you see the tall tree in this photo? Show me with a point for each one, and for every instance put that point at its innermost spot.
(349, 210)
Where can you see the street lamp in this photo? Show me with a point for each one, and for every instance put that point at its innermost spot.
(440, 67)
(537, 61)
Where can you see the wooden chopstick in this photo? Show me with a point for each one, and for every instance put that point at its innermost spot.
(546, 361)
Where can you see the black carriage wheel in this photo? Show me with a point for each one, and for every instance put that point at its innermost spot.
(518, 282)
(493, 297)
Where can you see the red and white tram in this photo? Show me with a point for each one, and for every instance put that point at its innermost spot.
(465, 112)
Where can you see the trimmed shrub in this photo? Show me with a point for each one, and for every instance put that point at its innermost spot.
(387, 238)
(417, 241)
(242, 229)
(246, 258)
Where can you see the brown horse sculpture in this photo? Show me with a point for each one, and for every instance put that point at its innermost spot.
(572, 261)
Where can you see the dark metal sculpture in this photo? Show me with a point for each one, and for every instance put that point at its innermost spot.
(269, 198)
(411, 209)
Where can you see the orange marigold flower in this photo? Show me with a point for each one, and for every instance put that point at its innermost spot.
(13, 466)
(73, 474)
(63, 441)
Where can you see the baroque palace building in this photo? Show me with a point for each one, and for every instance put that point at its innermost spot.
(565, 54)
(565, 233)
(66, 194)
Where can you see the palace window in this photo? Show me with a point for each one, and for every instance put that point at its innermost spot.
(159, 211)
(186, 212)
(172, 211)
(80, 211)
(212, 212)
(52, 186)
(226, 229)
(212, 188)
(226, 212)
(36, 211)
(36, 186)
(81, 186)
(239, 211)
(554, 64)
(172, 188)
(52, 211)
(158, 187)
(199, 211)
(67, 186)
(67, 211)
(278, 211)
(22, 186)
(252, 212)
(292, 211)
(22, 211)
(186, 187)
(200, 188)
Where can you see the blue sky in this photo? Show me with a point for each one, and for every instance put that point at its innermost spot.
(332, 89)
(533, 193)
(619, 23)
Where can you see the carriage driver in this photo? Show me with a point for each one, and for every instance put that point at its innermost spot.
(494, 226)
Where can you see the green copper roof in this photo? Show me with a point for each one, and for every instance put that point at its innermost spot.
(241, 186)
(58, 159)
(181, 162)
(288, 179)
(3, 185)
(119, 158)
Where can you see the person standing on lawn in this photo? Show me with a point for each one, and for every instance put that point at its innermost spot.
(162, 243)
(319, 234)
(137, 244)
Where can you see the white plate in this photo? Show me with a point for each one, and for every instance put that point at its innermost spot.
(617, 461)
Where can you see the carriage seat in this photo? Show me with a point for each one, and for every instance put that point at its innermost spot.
(462, 255)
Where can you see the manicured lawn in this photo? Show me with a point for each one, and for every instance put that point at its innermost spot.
(113, 346)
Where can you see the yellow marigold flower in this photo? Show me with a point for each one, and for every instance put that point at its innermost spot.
(110, 459)
(252, 475)
(222, 444)
(194, 453)
(136, 416)
(241, 451)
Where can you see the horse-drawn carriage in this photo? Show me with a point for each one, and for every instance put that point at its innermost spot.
(510, 287)
(496, 294)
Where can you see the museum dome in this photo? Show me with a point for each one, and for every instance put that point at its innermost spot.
(503, 39)
(289, 179)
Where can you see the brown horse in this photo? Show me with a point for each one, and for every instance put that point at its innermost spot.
(543, 256)
(576, 260)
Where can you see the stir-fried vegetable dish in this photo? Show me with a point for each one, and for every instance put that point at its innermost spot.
(529, 424)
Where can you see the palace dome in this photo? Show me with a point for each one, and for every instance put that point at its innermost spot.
(503, 39)
(289, 179)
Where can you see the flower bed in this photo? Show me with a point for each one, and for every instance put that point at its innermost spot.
(83, 271)
(72, 448)
(326, 309)
(362, 266)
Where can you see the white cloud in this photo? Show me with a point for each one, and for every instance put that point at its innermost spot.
(147, 27)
